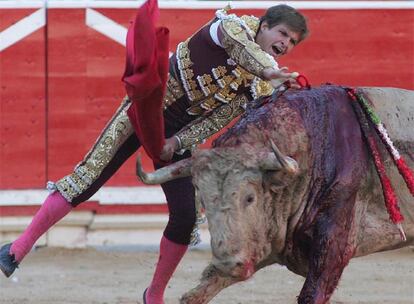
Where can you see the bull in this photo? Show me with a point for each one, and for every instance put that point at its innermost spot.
(311, 202)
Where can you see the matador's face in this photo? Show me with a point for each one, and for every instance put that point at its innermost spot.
(278, 40)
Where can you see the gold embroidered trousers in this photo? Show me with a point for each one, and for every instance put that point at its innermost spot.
(113, 147)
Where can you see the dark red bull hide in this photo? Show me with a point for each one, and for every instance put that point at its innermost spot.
(313, 222)
(312, 201)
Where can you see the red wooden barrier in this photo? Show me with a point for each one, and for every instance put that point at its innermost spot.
(22, 106)
(354, 47)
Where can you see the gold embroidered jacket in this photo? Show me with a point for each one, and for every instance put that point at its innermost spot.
(217, 81)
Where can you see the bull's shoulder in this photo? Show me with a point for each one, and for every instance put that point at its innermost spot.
(395, 107)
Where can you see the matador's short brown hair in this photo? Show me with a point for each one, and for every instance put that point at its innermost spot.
(285, 14)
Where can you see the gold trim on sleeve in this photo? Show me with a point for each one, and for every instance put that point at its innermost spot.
(260, 87)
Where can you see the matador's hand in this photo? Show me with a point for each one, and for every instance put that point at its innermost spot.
(279, 76)
(170, 146)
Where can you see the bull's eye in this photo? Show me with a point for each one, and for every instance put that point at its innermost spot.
(249, 199)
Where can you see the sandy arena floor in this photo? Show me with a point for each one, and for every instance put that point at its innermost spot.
(61, 276)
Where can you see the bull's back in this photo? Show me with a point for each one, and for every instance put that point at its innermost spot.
(395, 107)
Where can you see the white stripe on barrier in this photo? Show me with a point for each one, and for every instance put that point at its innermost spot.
(21, 4)
(130, 195)
(106, 26)
(209, 4)
(105, 196)
(97, 4)
(22, 28)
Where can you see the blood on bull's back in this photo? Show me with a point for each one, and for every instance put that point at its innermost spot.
(312, 201)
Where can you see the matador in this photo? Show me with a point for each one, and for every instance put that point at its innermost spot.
(212, 76)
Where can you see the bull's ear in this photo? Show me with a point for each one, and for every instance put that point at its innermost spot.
(276, 188)
(278, 180)
(277, 161)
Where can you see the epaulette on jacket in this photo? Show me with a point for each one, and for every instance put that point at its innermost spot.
(239, 42)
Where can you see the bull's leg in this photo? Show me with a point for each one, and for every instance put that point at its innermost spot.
(211, 284)
(331, 248)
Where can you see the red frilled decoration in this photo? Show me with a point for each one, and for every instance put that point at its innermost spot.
(390, 198)
(406, 173)
(145, 77)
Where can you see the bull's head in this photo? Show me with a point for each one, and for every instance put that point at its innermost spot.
(231, 184)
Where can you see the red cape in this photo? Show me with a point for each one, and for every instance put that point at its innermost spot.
(145, 77)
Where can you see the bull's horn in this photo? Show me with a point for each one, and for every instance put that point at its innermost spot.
(278, 161)
(176, 170)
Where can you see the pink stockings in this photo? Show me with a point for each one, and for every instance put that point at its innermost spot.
(170, 255)
(53, 209)
(56, 207)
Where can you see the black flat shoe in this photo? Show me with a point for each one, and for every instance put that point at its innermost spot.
(7, 262)
(144, 296)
